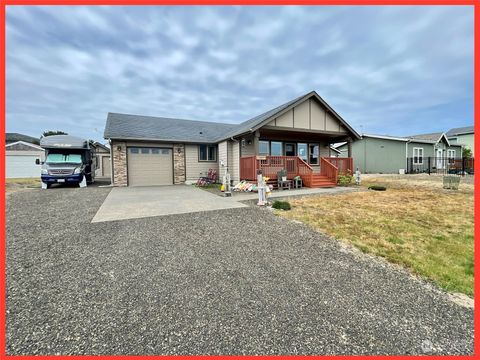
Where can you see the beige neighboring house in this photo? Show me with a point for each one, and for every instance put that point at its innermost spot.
(295, 136)
(21, 157)
(103, 168)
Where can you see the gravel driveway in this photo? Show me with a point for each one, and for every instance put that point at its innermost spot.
(239, 281)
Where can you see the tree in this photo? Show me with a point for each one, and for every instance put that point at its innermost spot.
(53, 132)
(466, 153)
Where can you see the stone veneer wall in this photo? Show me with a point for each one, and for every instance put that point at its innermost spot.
(120, 177)
(179, 163)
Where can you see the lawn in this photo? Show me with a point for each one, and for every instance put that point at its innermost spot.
(16, 184)
(414, 223)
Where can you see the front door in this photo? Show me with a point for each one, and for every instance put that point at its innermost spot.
(439, 159)
(290, 150)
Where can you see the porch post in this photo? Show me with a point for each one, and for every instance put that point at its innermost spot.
(256, 139)
(349, 144)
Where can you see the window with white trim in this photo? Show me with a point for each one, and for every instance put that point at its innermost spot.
(451, 154)
(417, 156)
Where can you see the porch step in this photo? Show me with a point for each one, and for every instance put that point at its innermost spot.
(322, 181)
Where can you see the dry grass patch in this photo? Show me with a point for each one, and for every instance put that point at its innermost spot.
(430, 231)
(22, 183)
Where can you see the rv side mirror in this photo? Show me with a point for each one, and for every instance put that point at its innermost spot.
(37, 161)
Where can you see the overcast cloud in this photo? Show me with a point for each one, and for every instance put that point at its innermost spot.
(386, 70)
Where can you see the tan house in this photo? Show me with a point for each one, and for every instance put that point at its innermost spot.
(295, 136)
(103, 166)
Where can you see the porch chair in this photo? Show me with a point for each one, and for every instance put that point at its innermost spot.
(283, 184)
(211, 178)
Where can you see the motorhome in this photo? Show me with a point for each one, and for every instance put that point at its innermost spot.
(68, 159)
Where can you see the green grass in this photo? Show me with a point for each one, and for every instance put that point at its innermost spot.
(16, 184)
(428, 231)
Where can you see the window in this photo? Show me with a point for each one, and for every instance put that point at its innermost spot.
(276, 148)
(314, 154)
(155, 151)
(263, 148)
(302, 151)
(165, 152)
(451, 156)
(64, 159)
(207, 153)
(134, 150)
(145, 150)
(290, 150)
(417, 156)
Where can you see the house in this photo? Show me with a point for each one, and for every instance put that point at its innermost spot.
(295, 136)
(463, 135)
(14, 137)
(103, 167)
(21, 157)
(394, 154)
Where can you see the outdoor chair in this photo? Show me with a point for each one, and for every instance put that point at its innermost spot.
(283, 184)
(211, 178)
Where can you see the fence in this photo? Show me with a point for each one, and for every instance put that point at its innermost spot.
(440, 165)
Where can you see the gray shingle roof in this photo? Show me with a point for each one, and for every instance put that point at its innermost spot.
(124, 126)
(14, 137)
(460, 130)
(429, 137)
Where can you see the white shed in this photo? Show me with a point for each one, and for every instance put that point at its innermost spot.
(21, 159)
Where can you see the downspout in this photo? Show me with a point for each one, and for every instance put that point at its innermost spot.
(111, 161)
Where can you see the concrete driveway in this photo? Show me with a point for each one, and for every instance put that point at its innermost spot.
(139, 202)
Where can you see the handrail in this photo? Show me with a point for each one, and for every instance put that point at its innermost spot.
(328, 169)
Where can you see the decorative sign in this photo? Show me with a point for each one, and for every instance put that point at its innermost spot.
(261, 157)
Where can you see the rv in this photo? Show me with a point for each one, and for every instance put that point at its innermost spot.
(68, 159)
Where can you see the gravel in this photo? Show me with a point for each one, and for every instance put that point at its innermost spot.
(239, 281)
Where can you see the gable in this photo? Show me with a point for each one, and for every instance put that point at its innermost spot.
(309, 115)
(22, 146)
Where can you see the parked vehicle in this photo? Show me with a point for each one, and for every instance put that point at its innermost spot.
(68, 159)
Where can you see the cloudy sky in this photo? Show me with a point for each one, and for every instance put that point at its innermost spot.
(386, 70)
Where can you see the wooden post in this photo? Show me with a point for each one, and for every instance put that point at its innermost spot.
(349, 144)
(256, 140)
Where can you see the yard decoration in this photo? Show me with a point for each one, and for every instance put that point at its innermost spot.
(377, 188)
(451, 182)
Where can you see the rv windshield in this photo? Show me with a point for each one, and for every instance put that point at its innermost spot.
(64, 158)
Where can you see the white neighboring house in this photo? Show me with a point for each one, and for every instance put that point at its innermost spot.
(21, 159)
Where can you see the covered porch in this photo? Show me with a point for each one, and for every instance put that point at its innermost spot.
(301, 152)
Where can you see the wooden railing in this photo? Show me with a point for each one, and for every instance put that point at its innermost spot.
(271, 165)
(343, 165)
(328, 169)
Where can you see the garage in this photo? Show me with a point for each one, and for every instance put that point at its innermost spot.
(150, 166)
(20, 159)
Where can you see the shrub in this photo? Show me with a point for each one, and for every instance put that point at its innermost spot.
(281, 205)
(377, 188)
(345, 179)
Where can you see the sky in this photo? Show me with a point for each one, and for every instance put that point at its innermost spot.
(385, 70)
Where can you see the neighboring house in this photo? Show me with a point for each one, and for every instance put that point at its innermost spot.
(21, 157)
(394, 154)
(14, 137)
(464, 135)
(103, 168)
(295, 136)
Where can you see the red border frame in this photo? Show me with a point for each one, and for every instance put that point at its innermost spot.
(4, 3)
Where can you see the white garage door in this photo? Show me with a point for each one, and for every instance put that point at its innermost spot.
(149, 166)
(22, 166)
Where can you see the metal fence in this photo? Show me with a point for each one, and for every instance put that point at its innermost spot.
(440, 165)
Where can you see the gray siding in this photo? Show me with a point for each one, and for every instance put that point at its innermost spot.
(372, 155)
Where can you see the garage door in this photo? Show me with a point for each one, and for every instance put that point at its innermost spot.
(149, 166)
(22, 166)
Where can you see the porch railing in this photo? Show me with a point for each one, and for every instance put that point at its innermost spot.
(343, 165)
(328, 169)
(271, 165)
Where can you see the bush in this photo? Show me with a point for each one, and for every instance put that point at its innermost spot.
(377, 188)
(345, 179)
(281, 205)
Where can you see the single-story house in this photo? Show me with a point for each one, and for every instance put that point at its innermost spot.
(463, 135)
(21, 157)
(295, 136)
(393, 154)
(103, 166)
